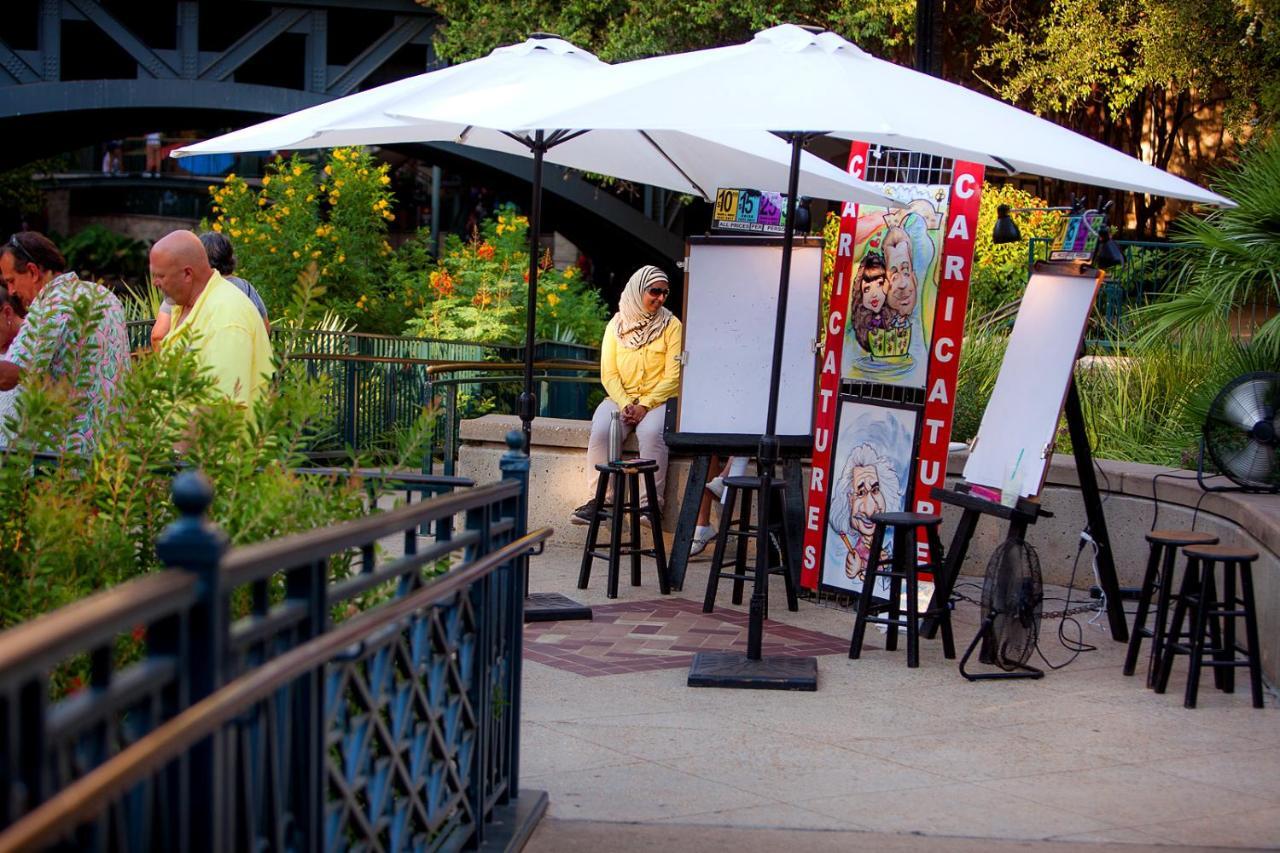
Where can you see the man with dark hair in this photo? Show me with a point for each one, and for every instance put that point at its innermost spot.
(90, 356)
(222, 257)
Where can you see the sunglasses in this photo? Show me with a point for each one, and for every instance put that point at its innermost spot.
(659, 291)
(17, 247)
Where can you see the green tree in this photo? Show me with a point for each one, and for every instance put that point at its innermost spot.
(626, 29)
(1140, 74)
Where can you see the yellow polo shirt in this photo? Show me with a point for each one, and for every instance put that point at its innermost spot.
(649, 375)
(229, 337)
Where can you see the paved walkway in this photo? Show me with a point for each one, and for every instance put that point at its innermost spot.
(881, 756)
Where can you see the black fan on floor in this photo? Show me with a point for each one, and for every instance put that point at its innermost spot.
(1011, 603)
(1241, 434)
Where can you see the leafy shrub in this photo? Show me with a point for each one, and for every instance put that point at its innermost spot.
(1000, 271)
(478, 291)
(1232, 256)
(82, 524)
(336, 221)
(96, 252)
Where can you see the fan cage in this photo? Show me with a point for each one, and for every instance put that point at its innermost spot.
(1012, 598)
(1246, 453)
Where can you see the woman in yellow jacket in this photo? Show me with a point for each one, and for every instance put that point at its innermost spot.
(640, 368)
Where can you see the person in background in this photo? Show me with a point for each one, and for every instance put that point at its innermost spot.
(153, 155)
(10, 323)
(640, 368)
(213, 317)
(33, 271)
(113, 158)
(222, 257)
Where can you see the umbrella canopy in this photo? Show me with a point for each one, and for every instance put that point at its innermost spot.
(791, 79)
(511, 85)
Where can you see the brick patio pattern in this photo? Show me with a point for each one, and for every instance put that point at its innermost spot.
(639, 636)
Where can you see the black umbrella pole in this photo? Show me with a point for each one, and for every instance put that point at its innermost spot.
(769, 441)
(528, 400)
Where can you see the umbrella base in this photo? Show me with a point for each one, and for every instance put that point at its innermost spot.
(734, 669)
(554, 607)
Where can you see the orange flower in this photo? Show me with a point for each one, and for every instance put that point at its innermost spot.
(485, 251)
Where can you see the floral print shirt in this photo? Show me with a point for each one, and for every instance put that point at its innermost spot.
(93, 364)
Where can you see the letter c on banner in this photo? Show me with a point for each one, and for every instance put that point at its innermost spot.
(948, 345)
(855, 165)
(835, 322)
(964, 186)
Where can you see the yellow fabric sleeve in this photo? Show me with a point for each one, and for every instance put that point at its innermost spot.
(610, 376)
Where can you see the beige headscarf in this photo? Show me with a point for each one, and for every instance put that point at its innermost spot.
(634, 326)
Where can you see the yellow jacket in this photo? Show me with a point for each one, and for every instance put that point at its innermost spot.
(648, 375)
(228, 336)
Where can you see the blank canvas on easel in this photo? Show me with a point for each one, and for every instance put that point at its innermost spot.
(1021, 418)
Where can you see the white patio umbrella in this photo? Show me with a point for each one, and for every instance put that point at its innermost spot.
(791, 78)
(508, 88)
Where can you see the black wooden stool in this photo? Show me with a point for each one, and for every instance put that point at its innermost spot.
(904, 569)
(1198, 594)
(741, 489)
(1159, 578)
(624, 477)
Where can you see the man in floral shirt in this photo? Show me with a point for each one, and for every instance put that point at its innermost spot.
(53, 341)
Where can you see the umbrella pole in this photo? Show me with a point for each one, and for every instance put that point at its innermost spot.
(727, 669)
(528, 405)
(538, 606)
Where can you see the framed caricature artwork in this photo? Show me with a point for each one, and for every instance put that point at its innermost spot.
(870, 473)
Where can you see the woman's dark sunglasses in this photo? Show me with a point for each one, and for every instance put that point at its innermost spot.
(659, 291)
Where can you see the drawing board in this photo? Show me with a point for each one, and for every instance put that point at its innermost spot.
(730, 310)
(1015, 441)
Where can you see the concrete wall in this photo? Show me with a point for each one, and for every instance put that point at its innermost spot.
(559, 483)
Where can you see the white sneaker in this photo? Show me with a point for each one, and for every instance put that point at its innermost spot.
(716, 487)
(703, 535)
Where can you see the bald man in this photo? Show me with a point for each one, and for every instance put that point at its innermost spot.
(212, 316)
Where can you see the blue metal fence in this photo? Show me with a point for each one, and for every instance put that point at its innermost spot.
(323, 691)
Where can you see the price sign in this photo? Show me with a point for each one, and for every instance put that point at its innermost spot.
(1077, 238)
(748, 211)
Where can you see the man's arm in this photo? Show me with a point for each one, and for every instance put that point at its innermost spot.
(10, 375)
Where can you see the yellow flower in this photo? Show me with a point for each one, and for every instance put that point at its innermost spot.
(311, 196)
(266, 179)
(339, 182)
(384, 180)
(297, 171)
(341, 258)
(231, 176)
(273, 250)
(262, 202)
(296, 253)
(328, 170)
(563, 288)
(235, 232)
(212, 188)
(553, 300)
(284, 211)
(319, 230)
(217, 226)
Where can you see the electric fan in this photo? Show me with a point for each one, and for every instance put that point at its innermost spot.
(1241, 434)
(1011, 605)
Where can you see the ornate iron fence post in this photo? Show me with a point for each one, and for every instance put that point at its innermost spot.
(515, 466)
(193, 544)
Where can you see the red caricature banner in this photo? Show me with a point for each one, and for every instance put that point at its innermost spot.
(897, 321)
(829, 378)
(948, 332)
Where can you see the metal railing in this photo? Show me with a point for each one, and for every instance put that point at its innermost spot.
(380, 384)
(356, 686)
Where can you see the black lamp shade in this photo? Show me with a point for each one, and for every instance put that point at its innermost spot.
(1108, 254)
(1005, 230)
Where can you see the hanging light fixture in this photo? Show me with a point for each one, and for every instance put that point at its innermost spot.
(1005, 230)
